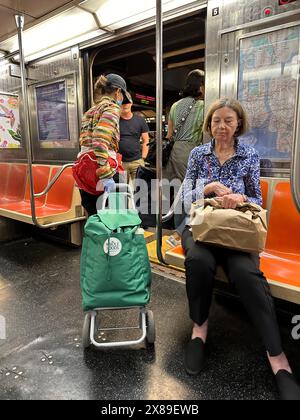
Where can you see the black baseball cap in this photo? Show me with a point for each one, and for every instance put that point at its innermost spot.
(118, 82)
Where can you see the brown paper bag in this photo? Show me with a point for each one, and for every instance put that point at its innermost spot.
(244, 228)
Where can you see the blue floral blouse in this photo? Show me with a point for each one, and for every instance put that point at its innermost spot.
(241, 173)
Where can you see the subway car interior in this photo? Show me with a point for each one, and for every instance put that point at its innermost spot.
(134, 58)
(51, 53)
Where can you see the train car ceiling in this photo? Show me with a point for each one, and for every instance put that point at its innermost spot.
(32, 10)
(51, 26)
(134, 58)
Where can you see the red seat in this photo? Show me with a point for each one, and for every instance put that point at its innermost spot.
(264, 185)
(40, 180)
(15, 185)
(60, 205)
(40, 175)
(281, 259)
(61, 193)
(59, 197)
(4, 174)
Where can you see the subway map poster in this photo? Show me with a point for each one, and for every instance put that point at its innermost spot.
(268, 71)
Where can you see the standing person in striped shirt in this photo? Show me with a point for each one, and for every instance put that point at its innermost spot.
(187, 137)
(100, 134)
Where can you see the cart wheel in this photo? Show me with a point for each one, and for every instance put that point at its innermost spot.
(150, 327)
(86, 331)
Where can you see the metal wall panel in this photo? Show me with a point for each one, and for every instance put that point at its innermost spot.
(228, 16)
(232, 23)
(8, 83)
(54, 66)
(238, 12)
(213, 52)
(65, 65)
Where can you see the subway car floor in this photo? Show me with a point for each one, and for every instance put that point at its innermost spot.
(42, 357)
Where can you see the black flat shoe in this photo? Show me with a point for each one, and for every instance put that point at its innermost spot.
(194, 356)
(288, 386)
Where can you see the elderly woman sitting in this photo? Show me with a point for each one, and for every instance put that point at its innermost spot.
(231, 173)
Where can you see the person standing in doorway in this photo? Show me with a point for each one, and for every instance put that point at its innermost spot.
(190, 111)
(133, 128)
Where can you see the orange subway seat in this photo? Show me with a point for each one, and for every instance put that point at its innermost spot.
(281, 259)
(59, 198)
(4, 173)
(284, 224)
(40, 181)
(15, 185)
(178, 250)
(264, 192)
(40, 175)
(281, 268)
(61, 193)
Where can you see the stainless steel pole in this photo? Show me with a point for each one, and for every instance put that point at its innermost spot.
(26, 133)
(159, 111)
(295, 167)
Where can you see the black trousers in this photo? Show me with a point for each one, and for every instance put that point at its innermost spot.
(242, 269)
(88, 201)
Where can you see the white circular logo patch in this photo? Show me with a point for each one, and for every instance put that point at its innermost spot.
(115, 247)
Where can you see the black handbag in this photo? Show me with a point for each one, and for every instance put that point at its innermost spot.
(167, 144)
(146, 202)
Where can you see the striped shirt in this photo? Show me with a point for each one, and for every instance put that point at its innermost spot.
(100, 132)
(191, 130)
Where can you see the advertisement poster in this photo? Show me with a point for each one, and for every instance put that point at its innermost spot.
(52, 114)
(10, 134)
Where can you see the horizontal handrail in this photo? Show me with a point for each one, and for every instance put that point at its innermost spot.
(168, 216)
(49, 186)
(176, 201)
(53, 180)
(63, 222)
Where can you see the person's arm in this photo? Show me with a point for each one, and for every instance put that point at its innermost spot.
(104, 136)
(170, 129)
(170, 121)
(252, 181)
(216, 188)
(145, 147)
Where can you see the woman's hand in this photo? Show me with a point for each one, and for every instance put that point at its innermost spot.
(217, 188)
(230, 201)
(107, 184)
